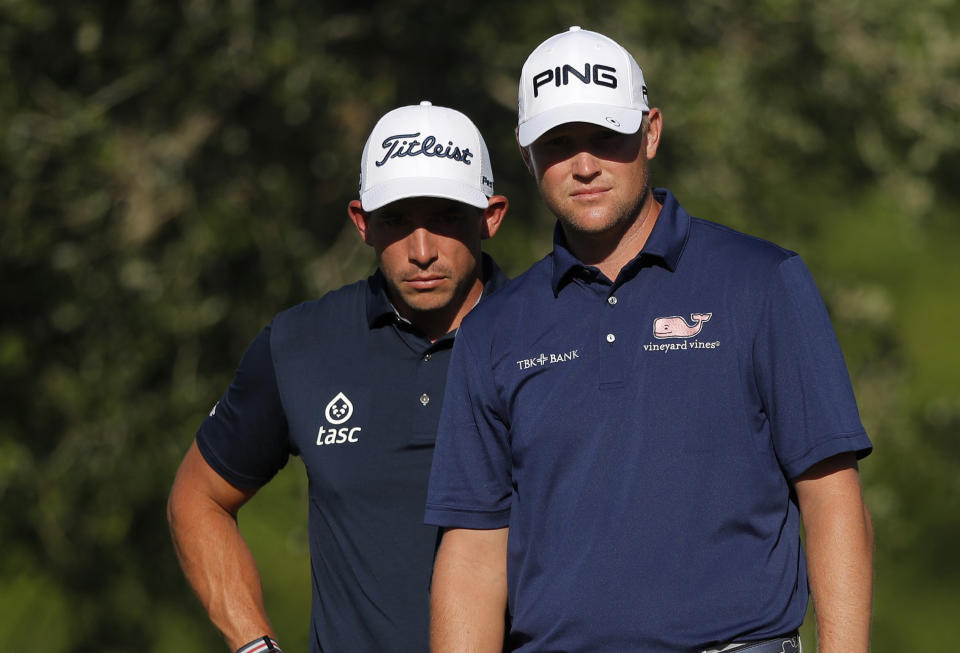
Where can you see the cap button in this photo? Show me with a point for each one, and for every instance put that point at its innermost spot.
(575, 28)
(426, 103)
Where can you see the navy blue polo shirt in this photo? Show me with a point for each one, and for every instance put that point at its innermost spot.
(638, 438)
(355, 391)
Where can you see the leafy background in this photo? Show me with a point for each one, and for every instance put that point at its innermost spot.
(173, 174)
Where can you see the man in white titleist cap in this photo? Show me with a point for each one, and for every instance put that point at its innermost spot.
(625, 462)
(352, 383)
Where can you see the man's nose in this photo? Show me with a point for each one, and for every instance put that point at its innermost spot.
(585, 165)
(421, 246)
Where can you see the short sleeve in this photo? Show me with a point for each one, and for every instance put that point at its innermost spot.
(802, 377)
(470, 479)
(245, 436)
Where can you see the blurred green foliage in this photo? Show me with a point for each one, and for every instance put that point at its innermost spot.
(175, 173)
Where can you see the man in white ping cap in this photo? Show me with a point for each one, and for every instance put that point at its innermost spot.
(624, 463)
(352, 383)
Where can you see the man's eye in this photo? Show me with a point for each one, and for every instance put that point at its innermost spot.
(605, 137)
(443, 222)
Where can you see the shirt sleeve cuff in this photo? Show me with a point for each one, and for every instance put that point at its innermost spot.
(474, 519)
(858, 443)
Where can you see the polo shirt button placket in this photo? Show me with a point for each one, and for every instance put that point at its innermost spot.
(612, 301)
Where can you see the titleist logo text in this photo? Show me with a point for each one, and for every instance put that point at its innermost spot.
(397, 147)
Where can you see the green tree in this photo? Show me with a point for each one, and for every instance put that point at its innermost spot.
(174, 174)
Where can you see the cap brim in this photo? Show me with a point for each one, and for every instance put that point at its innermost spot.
(619, 119)
(399, 189)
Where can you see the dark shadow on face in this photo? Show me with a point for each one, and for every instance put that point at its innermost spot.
(439, 216)
(570, 139)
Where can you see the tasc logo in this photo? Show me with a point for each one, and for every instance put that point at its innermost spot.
(338, 411)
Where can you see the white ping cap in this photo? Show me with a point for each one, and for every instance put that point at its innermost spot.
(580, 76)
(425, 151)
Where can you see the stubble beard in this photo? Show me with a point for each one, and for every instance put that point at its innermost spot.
(438, 305)
(625, 217)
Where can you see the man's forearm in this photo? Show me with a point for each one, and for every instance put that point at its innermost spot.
(469, 592)
(215, 558)
(839, 547)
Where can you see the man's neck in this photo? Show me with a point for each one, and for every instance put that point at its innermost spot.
(438, 323)
(608, 252)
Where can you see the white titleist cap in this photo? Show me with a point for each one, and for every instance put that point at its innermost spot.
(580, 76)
(425, 151)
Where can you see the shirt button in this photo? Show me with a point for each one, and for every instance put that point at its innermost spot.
(424, 399)
(611, 337)
(611, 300)
(426, 357)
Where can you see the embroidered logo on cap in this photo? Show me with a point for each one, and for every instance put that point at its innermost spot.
(599, 74)
(396, 147)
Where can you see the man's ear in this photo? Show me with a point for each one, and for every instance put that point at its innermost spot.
(654, 131)
(493, 216)
(359, 218)
(524, 151)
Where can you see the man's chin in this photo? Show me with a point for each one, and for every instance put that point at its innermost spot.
(428, 301)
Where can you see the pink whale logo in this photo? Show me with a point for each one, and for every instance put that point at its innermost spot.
(677, 327)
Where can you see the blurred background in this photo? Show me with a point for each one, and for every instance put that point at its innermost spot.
(174, 173)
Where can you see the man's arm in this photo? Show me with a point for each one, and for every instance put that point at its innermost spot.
(839, 546)
(468, 601)
(202, 510)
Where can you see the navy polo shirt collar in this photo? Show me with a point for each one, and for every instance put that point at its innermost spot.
(380, 310)
(665, 243)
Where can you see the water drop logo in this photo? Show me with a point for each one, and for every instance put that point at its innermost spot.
(339, 410)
